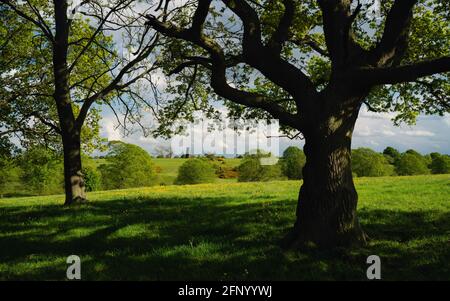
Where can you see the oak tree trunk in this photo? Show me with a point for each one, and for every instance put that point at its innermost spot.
(326, 210)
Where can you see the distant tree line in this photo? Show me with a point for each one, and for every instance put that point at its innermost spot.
(38, 170)
(365, 163)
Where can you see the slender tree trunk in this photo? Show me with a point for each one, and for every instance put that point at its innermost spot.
(70, 134)
(326, 210)
(69, 128)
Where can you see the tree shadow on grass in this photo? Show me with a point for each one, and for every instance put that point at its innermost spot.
(210, 239)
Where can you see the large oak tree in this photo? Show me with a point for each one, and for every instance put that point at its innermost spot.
(312, 65)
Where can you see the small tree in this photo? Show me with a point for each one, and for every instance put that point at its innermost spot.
(127, 166)
(368, 163)
(292, 163)
(412, 164)
(440, 164)
(391, 154)
(195, 171)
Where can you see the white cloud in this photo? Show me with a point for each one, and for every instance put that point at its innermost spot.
(364, 130)
(418, 133)
(388, 133)
(109, 129)
(364, 113)
(374, 142)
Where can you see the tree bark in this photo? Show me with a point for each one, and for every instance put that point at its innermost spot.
(74, 184)
(326, 210)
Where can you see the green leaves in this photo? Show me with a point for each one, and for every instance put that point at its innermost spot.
(368, 163)
(306, 50)
(127, 166)
(292, 163)
(195, 171)
(26, 77)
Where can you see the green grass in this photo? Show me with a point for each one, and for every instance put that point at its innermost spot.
(169, 169)
(224, 232)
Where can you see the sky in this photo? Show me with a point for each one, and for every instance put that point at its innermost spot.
(373, 130)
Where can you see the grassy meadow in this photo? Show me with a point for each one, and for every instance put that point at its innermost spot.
(223, 231)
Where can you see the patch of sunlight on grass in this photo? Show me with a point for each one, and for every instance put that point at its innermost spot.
(76, 233)
(193, 250)
(34, 265)
(135, 231)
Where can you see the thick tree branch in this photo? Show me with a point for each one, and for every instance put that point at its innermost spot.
(193, 62)
(336, 17)
(200, 16)
(395, 36)
(406, 73)
(218, 72)
(262, 57)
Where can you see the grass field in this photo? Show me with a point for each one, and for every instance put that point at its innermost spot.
(224, 232)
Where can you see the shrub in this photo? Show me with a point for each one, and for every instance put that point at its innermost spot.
(42, 171)
(251, 169)
(292, 163)
(92, 177)
(127, 166)
(271, 172)
(10, 175)
(195, 171)
(222, 170)
(368, 163)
